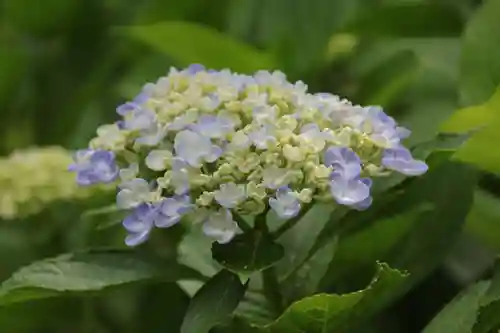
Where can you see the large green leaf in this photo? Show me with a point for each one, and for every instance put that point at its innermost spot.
(87, 272)
(482, 150)
(484, 120)
(324, 313)
(433, 209)
(213, 303)
(194, 251)
(301, 281)
(255, 307)
(489, 311)
(483, 220)
(476, 309)
(460, 314)
(480, 68)
(474, 117)
(189, 43)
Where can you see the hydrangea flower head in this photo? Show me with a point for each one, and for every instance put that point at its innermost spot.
(213, 144)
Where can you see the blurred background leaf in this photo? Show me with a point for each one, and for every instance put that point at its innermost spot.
(211, 48)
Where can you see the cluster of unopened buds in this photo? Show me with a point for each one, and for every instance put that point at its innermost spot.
(213, 145)
(32, 178)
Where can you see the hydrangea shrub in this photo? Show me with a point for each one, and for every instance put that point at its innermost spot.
(215, 145)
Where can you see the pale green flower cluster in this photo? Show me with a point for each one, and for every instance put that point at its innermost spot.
(34, 177)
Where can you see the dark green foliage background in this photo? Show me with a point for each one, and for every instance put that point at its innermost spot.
(66, 64)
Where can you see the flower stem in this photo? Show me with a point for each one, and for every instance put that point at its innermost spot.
(272, 290)
(271, 286)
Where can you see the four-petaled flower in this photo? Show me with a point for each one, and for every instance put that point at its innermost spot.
(171, 210)
(195, 148)
(139, 224)
(400, 159)
(286, 204)
(94, 166)
(221, 226)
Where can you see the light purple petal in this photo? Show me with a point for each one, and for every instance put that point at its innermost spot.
(195, 68)
(285, 205)
(348, 191)
(135, 239)
(94, 166)
(363, 205)
(222, 236)
(400, 160)
(344, 160)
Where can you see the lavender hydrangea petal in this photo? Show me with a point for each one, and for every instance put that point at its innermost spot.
(230, 195)
(171, 211)
(213, 126)
(151, 136)
(139, 224)
(348, 191)
(344, 160)
(285, 205)
(194, 148)
(136, 239)
(221, 226)
(195, 68)
(94, 166)
(140, 120)
(400, 160)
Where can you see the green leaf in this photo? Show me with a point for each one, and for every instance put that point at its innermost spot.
(483, 220)
(481, 148)
(475, 310)
(213, 303)
(255, 307)
(237, 325)
(474, 117)
(337, 313)
(147, 317)
(480, 68)
(194, 251)
(301, 281)
(489, 311)
(191, 43)
(87, 272)
(248, 252)
(413, 232)
(460, 314)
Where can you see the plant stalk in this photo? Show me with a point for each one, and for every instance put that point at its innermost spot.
(271, 286)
